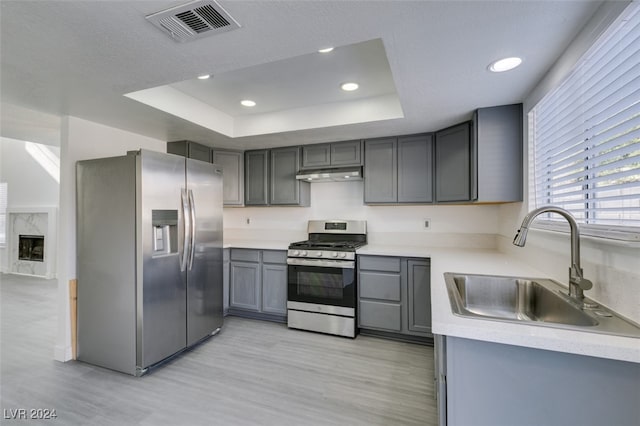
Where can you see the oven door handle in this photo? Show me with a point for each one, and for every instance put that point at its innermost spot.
(344, 264)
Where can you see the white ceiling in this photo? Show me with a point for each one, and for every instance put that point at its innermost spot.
(80, 58)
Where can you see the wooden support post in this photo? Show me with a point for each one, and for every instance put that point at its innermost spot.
(73, 307)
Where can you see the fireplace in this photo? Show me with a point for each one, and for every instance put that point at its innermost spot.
(31, 241)
(31, 247)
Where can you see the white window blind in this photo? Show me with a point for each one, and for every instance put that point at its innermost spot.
(3, 213)
(585, 153)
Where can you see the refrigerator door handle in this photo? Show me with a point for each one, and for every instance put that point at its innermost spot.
(186, 226)
(192, 212)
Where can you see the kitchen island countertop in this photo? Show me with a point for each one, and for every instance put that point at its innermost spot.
(493, 262)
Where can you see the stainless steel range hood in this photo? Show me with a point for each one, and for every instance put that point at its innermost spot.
(342, 174)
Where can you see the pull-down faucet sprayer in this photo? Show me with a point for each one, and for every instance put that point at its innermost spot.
(577, 282)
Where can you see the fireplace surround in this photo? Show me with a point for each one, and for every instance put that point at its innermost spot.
(31, 241)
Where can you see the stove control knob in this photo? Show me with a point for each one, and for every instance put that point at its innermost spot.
(303, 253)
(343, 255)
(319, 254)
(295, 252)
(334, 254)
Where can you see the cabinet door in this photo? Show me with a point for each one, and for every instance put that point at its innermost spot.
(285, 189)
(199, 152)
(497, 145)
(245, 286)
(415, 169)
(419, 296)
(453, 162)
(346, 153)
(274, 288)
(190, 150)
(316, 156)
(256, 177)
(380, 171)
(232, 163)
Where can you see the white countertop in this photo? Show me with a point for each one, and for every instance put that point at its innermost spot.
(444, 322)
(256, 244)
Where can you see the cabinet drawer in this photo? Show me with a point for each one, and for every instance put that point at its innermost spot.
(246, 255)
(379, 263)
(380, 315)
(274, 256)
(375, 285)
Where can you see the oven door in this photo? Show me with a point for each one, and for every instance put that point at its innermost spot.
(323, 282)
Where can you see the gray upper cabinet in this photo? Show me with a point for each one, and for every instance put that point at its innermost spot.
(381, 171)
(329, 155)
(399, 170)
(190, 150)
(316, 156)
(453, 163)
(498, 146)
(346, 153)
(270, 178)
(232, 163)
(415, 169)
(256, 178)
(285, 189)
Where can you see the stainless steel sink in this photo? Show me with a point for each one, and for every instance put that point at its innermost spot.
(530, 300)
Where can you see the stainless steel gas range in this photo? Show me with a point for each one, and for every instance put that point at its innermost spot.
(322, 277)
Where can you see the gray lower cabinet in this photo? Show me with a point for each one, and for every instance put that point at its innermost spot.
(270, 178)
(258, 283)
(274, 288)
(484, 383)
(232, 163)
(453, 163)
(394, 295)
(245, 285)
(399, 170)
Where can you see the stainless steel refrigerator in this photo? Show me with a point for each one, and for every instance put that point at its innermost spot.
(149, 266)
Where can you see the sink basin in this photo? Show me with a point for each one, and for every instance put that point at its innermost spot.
(530, 300)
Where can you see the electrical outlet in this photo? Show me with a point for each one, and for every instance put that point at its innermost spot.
(248, 221)
(426, 224)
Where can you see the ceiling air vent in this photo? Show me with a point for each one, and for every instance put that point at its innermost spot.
(193, 20)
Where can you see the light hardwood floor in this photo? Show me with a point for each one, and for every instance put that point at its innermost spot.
(252, 373)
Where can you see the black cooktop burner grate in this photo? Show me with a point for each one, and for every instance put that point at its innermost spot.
(320, 245)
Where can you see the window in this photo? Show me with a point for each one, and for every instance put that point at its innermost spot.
(3, 213)
(585, 136)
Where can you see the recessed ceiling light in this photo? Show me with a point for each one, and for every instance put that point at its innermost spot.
(204, 76)
(248, 103)
(505, 64)
(325, 50)
(349, 87)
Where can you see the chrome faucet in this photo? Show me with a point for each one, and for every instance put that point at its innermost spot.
(577, 282)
